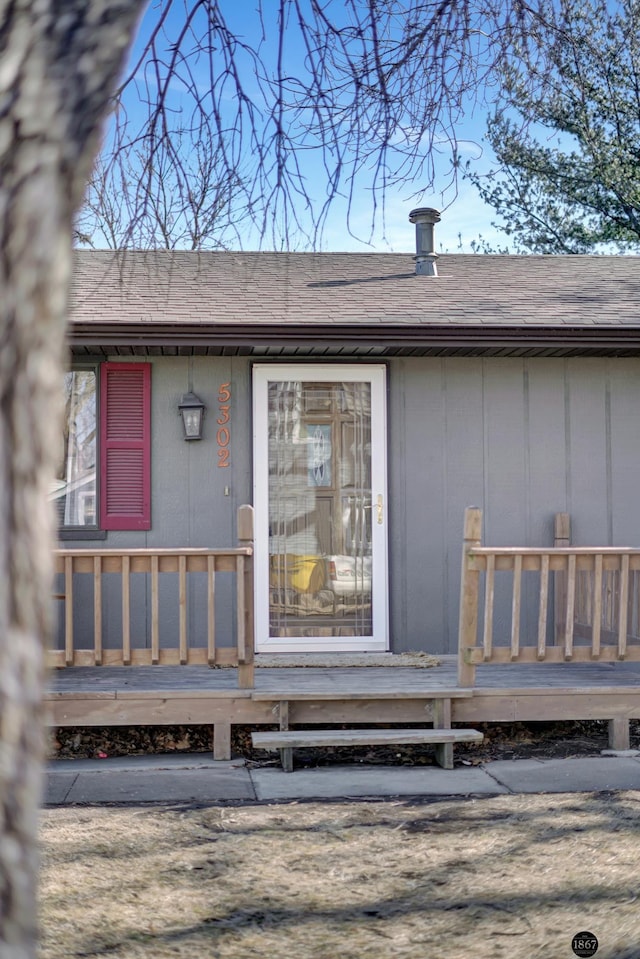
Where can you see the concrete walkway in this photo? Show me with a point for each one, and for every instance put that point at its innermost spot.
(198, 778)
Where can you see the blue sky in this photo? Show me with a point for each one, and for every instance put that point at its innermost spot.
(463, 213)
(464, 217)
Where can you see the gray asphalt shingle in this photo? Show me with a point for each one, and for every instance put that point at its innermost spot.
(360, 289)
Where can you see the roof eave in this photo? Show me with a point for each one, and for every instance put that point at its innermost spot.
(588, 338)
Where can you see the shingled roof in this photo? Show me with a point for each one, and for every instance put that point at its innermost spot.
(352, 302)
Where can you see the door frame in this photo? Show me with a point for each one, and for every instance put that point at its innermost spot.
(376, 374)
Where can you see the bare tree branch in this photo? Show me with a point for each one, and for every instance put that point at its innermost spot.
(319, 101)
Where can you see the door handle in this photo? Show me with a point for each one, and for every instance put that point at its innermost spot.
(379, 508)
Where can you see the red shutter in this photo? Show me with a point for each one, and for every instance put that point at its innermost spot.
(125, 446)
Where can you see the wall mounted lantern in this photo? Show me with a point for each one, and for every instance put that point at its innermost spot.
(192, 410)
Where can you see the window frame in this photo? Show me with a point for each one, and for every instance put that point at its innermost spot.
(100, 530)
(93, 531)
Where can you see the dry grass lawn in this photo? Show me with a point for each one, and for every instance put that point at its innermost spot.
(510, 876)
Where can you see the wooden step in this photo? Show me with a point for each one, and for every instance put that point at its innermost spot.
(286, 740)
(299, 738)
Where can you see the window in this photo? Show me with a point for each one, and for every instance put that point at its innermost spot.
(103, 480)
(74, 492)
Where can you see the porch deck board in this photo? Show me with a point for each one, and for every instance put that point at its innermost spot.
(183, 695)
(338, 682)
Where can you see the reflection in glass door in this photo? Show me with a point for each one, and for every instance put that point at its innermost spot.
(320, 502)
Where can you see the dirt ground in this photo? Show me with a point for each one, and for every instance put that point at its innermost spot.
(502, 741)
(507, 877)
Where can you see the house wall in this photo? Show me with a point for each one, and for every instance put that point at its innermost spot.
(194, 503)
(521, 438)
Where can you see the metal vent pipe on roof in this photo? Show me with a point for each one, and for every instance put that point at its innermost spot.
(425, 218)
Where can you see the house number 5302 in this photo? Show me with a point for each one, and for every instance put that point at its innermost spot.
(223, 433)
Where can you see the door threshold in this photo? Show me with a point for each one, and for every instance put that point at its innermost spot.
(284, 660)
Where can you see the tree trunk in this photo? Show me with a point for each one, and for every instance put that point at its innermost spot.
(58, 65)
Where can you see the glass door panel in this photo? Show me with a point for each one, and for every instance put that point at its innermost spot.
(316, 509)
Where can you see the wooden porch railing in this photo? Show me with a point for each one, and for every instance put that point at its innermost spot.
(581, 569)
(609, 606)
(127, 563)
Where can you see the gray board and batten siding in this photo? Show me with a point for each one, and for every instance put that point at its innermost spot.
(193, 504)
(513, 385)
(521, 438)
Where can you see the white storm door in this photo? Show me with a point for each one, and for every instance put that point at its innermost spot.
(320, 497)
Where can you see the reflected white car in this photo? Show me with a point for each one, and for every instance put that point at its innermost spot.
(347, 574)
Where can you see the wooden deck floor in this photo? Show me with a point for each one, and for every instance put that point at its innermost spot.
(197, 694)
(348, 680)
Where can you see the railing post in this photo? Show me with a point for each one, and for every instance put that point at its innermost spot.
(246, 678)
(469, 597)
(69, 650)
(561, 540)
